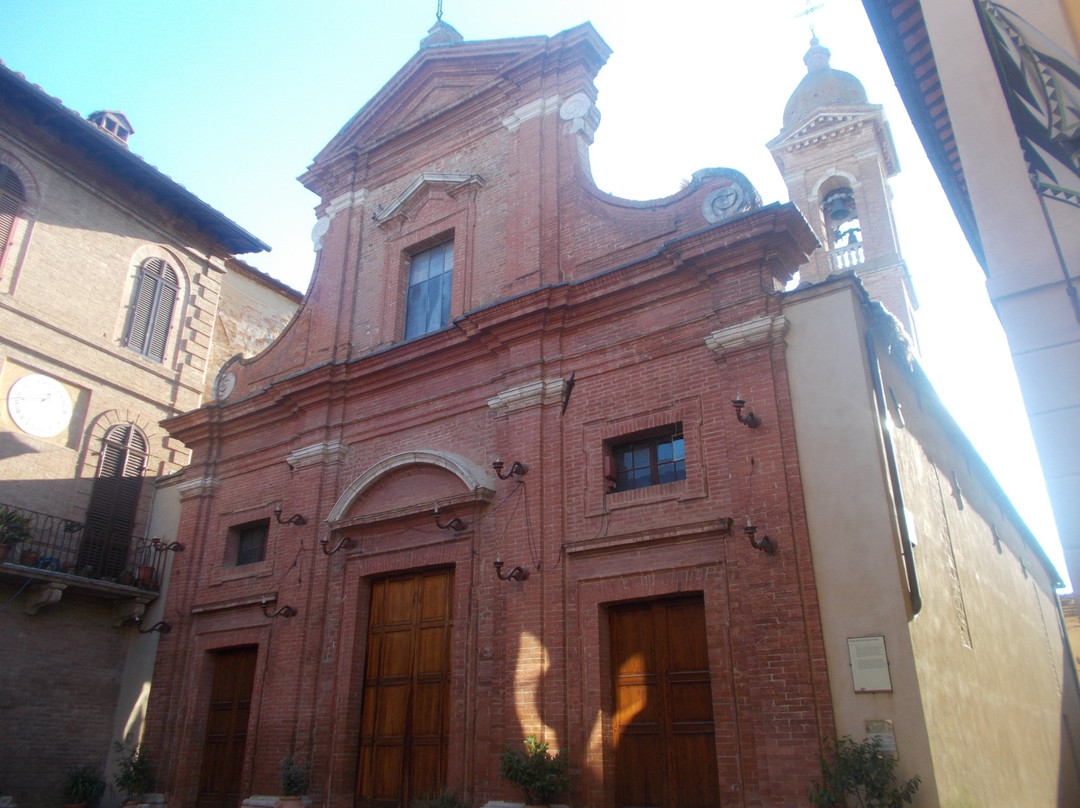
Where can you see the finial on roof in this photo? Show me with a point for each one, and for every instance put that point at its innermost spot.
(441, 33)
(817, 58)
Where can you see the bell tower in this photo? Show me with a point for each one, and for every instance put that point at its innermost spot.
(836, 154)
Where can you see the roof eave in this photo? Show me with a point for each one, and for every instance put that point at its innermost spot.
(128, 167)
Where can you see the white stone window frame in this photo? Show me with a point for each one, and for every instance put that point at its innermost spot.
(138, 261)
(13, 251)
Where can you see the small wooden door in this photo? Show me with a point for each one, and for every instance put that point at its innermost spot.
(226, 728)
(665, 744)
(405, 717)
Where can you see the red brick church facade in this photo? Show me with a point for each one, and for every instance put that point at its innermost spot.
(477, 301)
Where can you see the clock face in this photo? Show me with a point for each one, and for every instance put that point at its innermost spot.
(39, 405)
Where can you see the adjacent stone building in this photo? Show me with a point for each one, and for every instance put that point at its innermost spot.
(116, 288)
(991, 90)
(536, 460)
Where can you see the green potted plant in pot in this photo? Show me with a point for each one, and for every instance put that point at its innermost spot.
(83, 786)
(14, 528)
(540, 775)
(136, 777)
(295, 781)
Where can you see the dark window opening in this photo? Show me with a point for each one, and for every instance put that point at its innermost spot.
(648, 460)
(430, 277)
(250, 541)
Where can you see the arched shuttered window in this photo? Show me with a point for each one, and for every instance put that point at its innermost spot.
(110, 518)
(12, 195)
(155, 297)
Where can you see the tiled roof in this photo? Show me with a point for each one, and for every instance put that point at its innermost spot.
(50, 113)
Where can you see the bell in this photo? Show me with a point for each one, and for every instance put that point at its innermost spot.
(837, 209)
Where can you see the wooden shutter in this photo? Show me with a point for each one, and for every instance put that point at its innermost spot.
(151, 313)
(12, 196)
(166, 299)
(110, 518)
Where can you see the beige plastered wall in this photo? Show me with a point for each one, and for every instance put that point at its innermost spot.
(983, 706)
(138, 670)
(857, 565)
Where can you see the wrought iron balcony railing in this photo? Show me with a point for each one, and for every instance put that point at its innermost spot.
(48, 542)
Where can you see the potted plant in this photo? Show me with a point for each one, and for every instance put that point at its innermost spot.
(540, 775)
(144, 576)
(295, 780)
(83, 786)
(14, 528)
(136, 776)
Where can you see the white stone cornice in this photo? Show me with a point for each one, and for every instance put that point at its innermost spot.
(475, 479)
(202, 487)
(350, 199)
(748, 334)
(327, 452)
(534, 109)
(404, 201)
(541, 391)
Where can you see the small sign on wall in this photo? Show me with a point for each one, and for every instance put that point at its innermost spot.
(882, 730)
(869, 665)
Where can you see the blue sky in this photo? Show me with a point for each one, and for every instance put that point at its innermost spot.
(233, 99)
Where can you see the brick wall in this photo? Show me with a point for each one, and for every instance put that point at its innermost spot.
(58, 689)
(341, 421)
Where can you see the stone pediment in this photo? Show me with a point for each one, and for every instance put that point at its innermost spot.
(829, 122)
(435, 80)
(418, 191)
(443, 76)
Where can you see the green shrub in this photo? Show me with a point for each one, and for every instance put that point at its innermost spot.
(14, 527)
(863, 772)
(137, 775)
(84, 785)
(539, 774)
(295, 778)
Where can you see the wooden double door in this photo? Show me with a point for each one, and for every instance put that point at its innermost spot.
(405, 715)
(662, 717)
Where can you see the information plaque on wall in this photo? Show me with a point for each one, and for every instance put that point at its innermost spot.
(881, 730)
(869, 665)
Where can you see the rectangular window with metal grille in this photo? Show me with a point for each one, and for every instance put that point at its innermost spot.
(250, 541)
